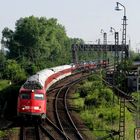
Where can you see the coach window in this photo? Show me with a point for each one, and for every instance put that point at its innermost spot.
(25, 96)
(39, 96)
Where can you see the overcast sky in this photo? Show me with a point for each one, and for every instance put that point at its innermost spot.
(81, 18)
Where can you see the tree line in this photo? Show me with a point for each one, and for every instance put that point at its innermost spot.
(35, 44)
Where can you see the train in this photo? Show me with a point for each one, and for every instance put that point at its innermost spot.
(32, 99)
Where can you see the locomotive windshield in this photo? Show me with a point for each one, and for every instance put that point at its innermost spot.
(38, 96)
(25, 96)
(32, 85)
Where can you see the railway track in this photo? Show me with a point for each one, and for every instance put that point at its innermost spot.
(60, 111)
(51, 130)
(64, 118)
(30, 132)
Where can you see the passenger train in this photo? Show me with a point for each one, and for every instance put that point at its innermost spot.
(32, 99)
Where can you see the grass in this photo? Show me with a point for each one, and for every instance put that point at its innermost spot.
(99, 119)
(3, 134)
(9, 134)
(79, 102)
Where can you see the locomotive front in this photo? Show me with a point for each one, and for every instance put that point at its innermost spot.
(31, 102)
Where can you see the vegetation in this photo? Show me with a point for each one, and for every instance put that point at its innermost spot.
(14, 71)
(98, 102)
(135, 56)
(37, 43)
(4, 84)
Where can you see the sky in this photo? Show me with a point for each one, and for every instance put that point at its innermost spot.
(82, 18)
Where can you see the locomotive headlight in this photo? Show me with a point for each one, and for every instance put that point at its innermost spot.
(37, 107)
(23, 108)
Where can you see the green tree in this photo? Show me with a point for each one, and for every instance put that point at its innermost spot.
(40, 41)
(2, 63)
(13, 71)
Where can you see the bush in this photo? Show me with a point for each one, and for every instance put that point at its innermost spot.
(85, 89)
(13, 71)
(92, 100)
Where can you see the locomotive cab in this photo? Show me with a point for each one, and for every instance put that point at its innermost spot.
(32, 103)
